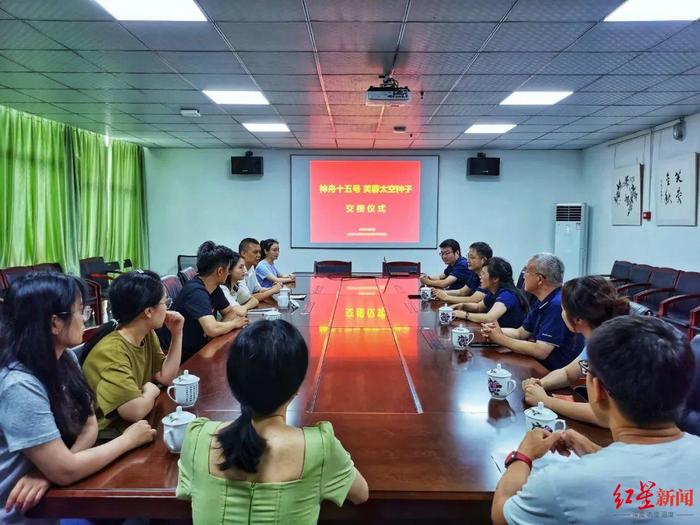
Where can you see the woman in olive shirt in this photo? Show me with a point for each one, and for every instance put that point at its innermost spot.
(257, 469)
(123, 363)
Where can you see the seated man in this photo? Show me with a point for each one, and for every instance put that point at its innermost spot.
(478, 255)
(249, 249)
(201, 298)
(544, 334)
(690, 419)
(640, 370)
(457, 275)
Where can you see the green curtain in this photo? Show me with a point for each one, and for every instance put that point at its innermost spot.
(67, 194)
(37, 206)
(112, 198)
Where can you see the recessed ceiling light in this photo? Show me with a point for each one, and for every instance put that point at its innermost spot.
(489, 128)
(236, 97)
(256, 127)
(154, 10)
(655, 11)
(534, 98)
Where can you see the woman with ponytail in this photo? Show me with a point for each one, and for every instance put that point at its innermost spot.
(259, 469)
(123, 361)
(587, 302)
(47, 423)
(266, 271)
(503, 303)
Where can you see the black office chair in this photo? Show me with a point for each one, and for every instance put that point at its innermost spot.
(390, 268)
(186, 261)
(333, 268)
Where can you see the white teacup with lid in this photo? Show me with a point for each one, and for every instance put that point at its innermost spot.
(186, 387)
(461, 337)
(445, 314)
(174, 426)
(425, 293)
(542, 417)
(500, 383)
(272, 315)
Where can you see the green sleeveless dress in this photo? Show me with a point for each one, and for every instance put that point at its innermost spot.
(328, 473)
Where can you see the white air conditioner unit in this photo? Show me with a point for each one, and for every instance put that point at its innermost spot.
(571, 238)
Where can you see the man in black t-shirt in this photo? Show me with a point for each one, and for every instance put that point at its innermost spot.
(201, 298)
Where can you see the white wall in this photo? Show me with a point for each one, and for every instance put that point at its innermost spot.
(674, 246)
(192, 197)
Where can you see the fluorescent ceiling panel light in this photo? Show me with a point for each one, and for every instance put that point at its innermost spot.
(655, 11)
(257, 127)
(154, 10)
(489, 128)
(236, 97)
(534, 98)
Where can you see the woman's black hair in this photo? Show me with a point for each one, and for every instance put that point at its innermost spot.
(231, 285)
(129, 295)
(594, 299)
(266, 365)
(266, 245)
(501, 269)
(210, 256)
(30, 305)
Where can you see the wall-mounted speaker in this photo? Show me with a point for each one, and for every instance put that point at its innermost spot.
(490, 166)
(247, 165)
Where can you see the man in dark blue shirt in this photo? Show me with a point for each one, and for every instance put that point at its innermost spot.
(457, 274)
(477, 257)
(544, 334)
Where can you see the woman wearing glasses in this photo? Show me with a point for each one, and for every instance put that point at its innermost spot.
(587, 302)
(123, 362)
(47, 423)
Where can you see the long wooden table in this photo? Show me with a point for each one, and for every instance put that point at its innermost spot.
(415, 415)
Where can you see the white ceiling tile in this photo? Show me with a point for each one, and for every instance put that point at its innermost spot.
(535, 36)
(511, 63)
(59, 95)
(244, 112)
(624, 82)
(422, 37)
(533, 128)
(624, 111)
(177, 36)
(585, 63)
(15, 34)
(8, 65)
(429, 144)
(10, 95)
(154, 80)
(346, 97)
(55, 10)
(355, 143)
(37, 108)
(658, 99)
(628, 36)
(562, 10)
(647, 121)
(458, 10)
(356, 36)
(594, 98)
(221, 82)
(216, 62)
(354, 119)
(660, 64)
(89, 80)
(301, 109)
(291, 97)
(51, 61)
(687, 39)
(90, 35)
(357, 10)
(473, 82)
(476, 97)
(289, 82)
(277, 63)
(126, 61)
(253, 10)
(279, 36)
(86, 108)
(357, 63)
(432, 63)
(28, 80)
(678, 83)
(114, 95)
(175, 96)
(674, 111)
(456, 110)
(142, 108)
(561, 137)
(558, 82)
(547, 119)
(580, 110)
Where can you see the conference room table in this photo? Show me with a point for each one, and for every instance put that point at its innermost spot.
(415, 414)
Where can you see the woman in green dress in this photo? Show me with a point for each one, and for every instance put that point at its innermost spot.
(257, 469)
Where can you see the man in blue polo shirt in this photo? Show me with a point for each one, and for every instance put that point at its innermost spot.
(544, 334)
(477, 257)
(457, 274)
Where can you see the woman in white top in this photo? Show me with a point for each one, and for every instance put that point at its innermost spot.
(241, 303)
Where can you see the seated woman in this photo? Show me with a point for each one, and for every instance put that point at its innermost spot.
(587, 302)
(123, 362)
(238, 296)
(47, 424)
(503, 303)
(265, 270)
(259, 469)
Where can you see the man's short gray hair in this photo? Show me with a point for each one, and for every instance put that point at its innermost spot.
(550, 266)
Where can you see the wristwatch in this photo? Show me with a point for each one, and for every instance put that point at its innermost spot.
(518, 456)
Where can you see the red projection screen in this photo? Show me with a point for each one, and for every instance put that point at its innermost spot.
(377, 201)
(374, 201)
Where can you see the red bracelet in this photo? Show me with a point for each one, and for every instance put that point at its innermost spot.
(518, 456)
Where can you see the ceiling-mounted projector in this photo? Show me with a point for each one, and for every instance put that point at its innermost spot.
(388, 94)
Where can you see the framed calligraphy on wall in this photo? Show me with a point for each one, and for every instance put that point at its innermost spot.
(676, 189)
(626, 195)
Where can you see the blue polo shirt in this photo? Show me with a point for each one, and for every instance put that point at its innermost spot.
(465, 277)
(545, 324)
(513, 318)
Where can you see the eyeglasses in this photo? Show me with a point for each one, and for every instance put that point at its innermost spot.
(86, 313)
(168, 303)
(583, 366)
(444, 254)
